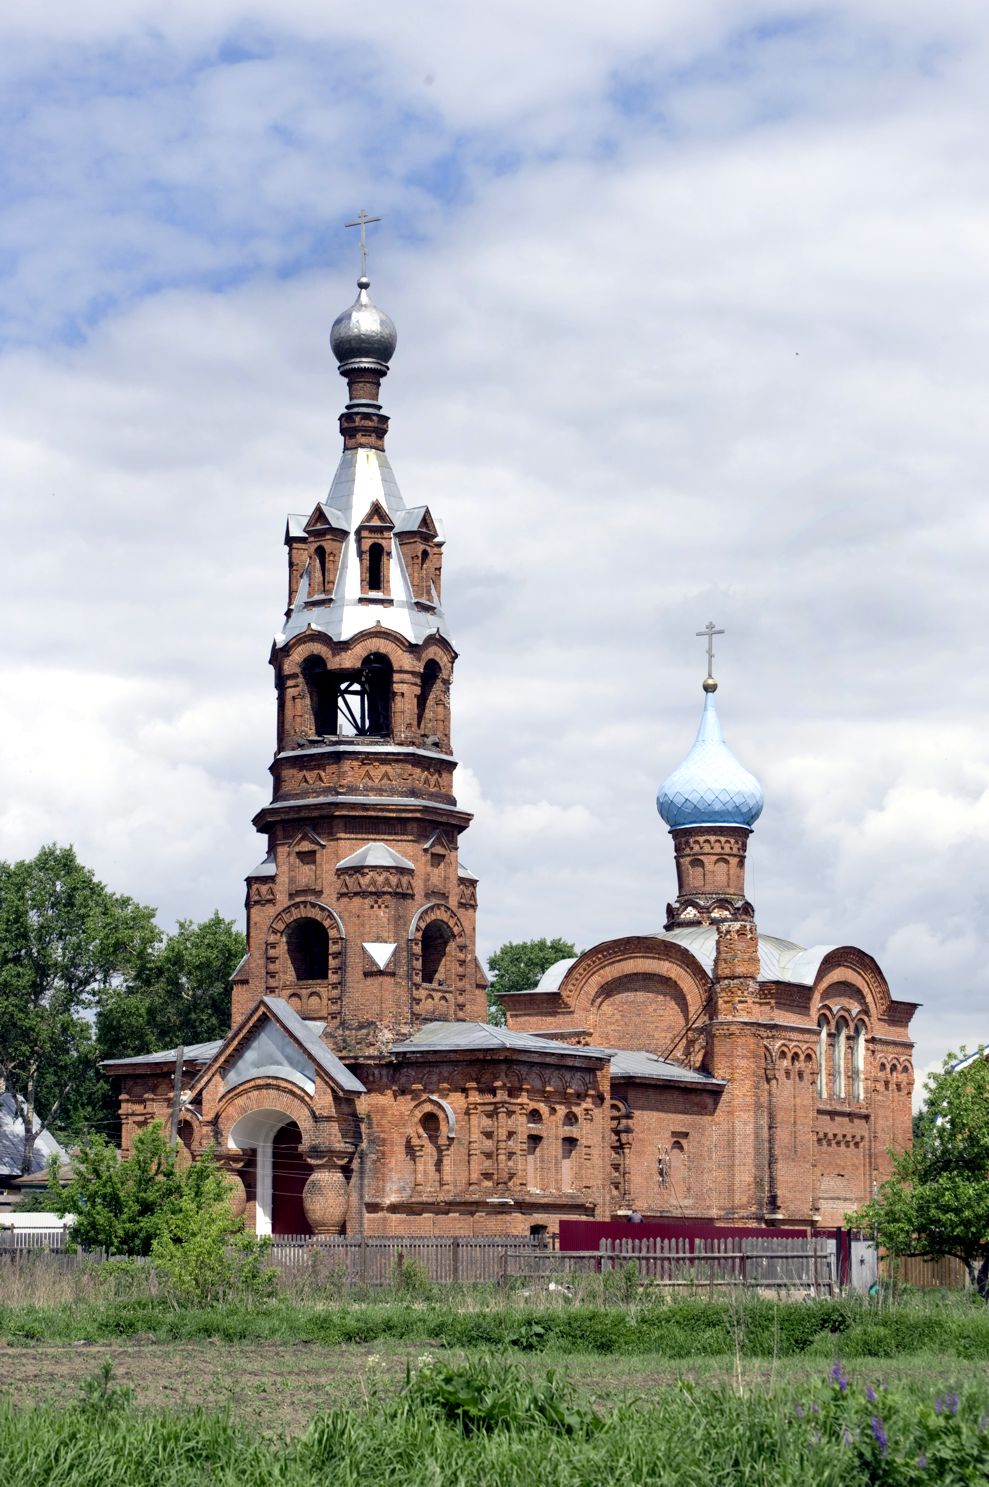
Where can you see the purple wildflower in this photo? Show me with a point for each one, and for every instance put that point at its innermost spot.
(870, 1394)
(815, 1409)
(922, 1461)
(838, 1376)
(879, 1434)
(939, 1406)
(799, 1411)
(846, 1436)
(951, 1403)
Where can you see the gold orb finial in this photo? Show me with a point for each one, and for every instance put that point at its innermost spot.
(709, 684)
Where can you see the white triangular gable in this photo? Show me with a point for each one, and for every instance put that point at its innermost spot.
(271, 1053)
(380, 952)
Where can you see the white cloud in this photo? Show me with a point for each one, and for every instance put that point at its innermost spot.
(691, 315)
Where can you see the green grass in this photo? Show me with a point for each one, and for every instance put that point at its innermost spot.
(752, 1328)
(491, 1423)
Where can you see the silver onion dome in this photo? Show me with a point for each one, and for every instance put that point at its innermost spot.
(363, 335)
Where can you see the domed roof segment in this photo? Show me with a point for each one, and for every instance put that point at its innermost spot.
(710, 788)
(363, 335)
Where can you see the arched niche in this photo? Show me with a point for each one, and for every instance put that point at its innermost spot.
(638, 992)
(640, 1010)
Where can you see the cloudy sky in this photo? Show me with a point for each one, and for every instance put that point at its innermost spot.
(693, 324)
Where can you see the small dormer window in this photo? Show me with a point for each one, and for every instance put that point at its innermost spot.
(375, 568)
(319, 570)
(424, 575)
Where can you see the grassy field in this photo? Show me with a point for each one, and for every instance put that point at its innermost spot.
(496, 1423)
(104, 1380)
(281, 1387)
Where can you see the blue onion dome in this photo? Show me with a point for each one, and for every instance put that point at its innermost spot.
(363, 334)
(710, 788)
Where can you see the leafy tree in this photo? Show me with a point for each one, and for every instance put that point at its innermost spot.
(119, 1203)
(63, 938)
(179, 995)
(936, 1202)
(151, 1203)
(518, 965)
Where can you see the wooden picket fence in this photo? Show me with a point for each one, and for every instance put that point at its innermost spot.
(805, 1265)
(378, 1260)
(914, 1270)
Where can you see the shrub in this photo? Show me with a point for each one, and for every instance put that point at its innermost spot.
(203, 1249)
(488, 1394)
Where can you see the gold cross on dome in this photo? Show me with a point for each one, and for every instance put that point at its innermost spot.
(709, 631)
(362, 220)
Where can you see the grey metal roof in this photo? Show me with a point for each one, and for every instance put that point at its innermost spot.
(551, 979)
(306, 1034)
(331, 516)
(363, 476)
(304, 802)
(12, 1141)
(969, 1058)
(266, 868)
(410, 520)
(313, 1044)
(474, 1037)
(466, 874)
(194, 1053)
(627, 1063)
(375, 854)
(450, 1037)
(779, 960)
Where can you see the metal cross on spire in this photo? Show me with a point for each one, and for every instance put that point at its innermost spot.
(362, 220)
(710, 631)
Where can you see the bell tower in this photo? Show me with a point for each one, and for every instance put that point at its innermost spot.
(361, 915)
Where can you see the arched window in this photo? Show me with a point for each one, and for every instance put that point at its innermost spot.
(822, 1058)
(433, 1166)
(568, 1152)
(376, 675)
(375, 568)
(425, 709)
(697, 874)
(533, 1141)
(319, 571)
(838, 1069)
(858, 1062)
(679, 1170)
(436, 941)
(308, 947)
(321, 687)
(424, 585)
(353, 703)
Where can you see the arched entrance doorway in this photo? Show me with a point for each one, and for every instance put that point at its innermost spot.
(289, 1174)
(281, 1172)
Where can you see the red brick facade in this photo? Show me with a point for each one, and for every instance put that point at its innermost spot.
(760, 1083)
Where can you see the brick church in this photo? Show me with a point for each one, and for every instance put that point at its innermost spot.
(703, 1070)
